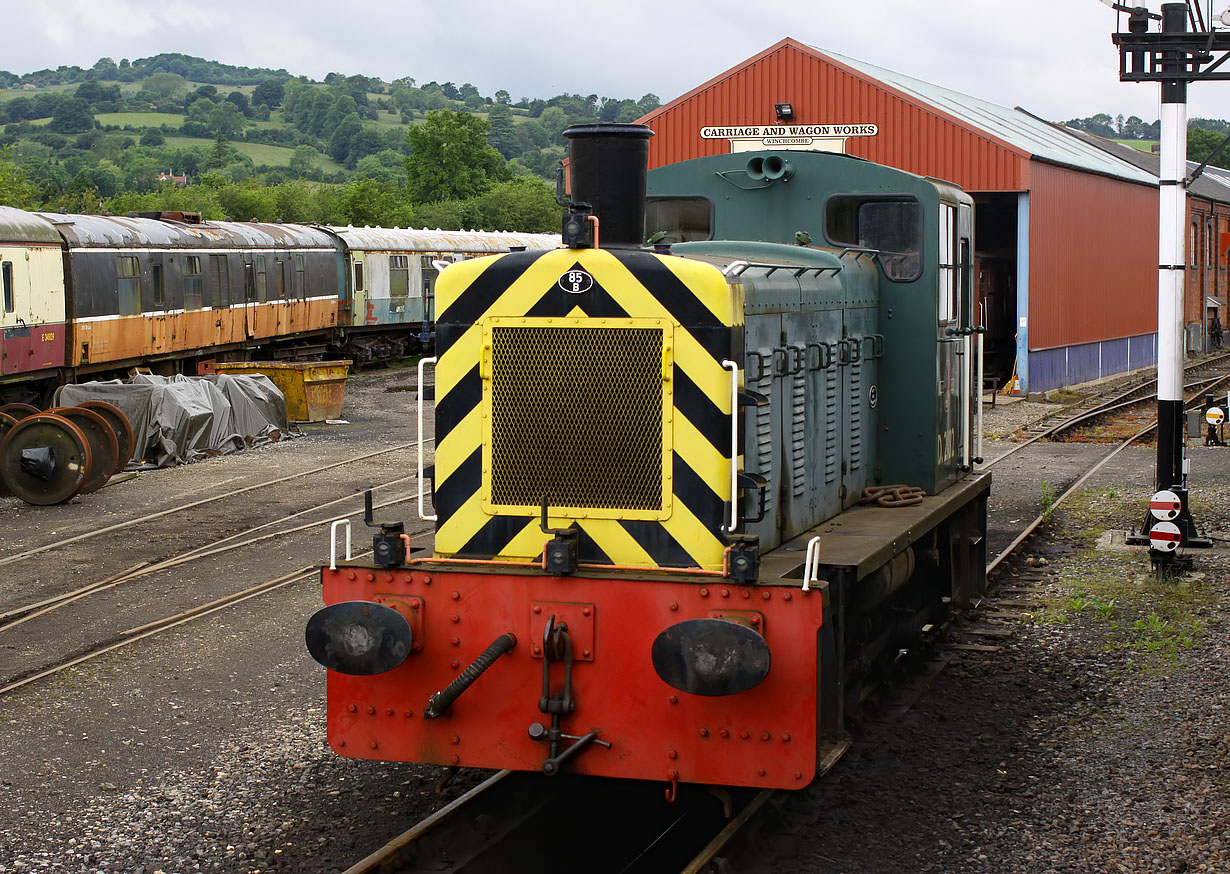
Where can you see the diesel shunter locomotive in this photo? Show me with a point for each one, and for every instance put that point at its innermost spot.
(690, 498)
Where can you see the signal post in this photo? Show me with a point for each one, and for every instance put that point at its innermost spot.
(1172, 56)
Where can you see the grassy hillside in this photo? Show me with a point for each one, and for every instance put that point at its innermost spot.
(139, 119)
(1142, 145)
(272, 156)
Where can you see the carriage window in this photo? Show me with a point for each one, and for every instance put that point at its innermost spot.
(890, 225)
(300, 285)
(679, 219)
(262, 285)
(129, 286)
(222, 282)
(192, 282)
(159, 298)
(429, 275)
(358, 276)
(9, 303)
(399, 275)
(280, 278)
(249, 282)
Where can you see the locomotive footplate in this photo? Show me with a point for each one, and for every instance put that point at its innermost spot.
(587, 663)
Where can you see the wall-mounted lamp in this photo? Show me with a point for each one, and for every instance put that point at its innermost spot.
(785, 111)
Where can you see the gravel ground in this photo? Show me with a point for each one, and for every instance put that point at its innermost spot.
(1096, 739)
(202, 749)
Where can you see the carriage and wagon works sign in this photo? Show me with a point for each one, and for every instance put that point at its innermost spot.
(816, 137)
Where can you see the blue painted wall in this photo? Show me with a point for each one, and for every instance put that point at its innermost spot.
(1069, 365)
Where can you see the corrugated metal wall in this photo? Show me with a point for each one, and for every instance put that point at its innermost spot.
(912, 138)
(1083, 287)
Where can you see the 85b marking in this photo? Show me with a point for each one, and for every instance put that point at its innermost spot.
(576, 282)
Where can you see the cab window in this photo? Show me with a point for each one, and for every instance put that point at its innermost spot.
(678, 219)
(890, 225)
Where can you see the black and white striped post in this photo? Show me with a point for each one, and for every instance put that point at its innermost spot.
(1172, 226)
(1170, 63)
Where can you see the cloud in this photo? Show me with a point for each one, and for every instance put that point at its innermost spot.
(1054, 57)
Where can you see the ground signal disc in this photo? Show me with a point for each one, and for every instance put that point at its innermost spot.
(1165, 537)
(1165, 505)
(1214, 415)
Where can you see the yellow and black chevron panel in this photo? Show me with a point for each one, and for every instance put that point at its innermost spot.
(594, 379)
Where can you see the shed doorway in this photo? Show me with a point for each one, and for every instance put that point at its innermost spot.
(995, 270)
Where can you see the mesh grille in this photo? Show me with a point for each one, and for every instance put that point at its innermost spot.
(576, 415)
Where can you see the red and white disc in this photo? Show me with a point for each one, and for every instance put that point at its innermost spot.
(1164, 537)
(1214, 415)
(1165, 505)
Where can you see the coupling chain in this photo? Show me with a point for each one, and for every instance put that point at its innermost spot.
(899, 495)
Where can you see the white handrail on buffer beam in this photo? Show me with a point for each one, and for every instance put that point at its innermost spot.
(811, 563)
(338, 523)
(423, 362)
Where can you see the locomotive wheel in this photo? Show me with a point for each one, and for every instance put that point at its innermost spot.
(104, 447)
(19, 411)
(6, 424)
(44, 459)
(119, 424)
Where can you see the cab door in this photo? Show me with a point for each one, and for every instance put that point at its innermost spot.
(954, 340)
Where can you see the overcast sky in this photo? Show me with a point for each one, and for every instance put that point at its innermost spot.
(1052, 57)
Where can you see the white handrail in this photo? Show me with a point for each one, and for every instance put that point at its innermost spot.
(735, 268)
(440, 264)
(811, 563)
(965, 375)
(333, 542)
(978, 453)
(727, 364)
(423, 362)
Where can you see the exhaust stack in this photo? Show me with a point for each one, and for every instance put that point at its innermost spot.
(607, 166)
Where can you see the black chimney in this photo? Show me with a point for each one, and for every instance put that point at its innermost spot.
(607, 166)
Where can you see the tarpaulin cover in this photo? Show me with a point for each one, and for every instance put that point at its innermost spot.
(180, 419)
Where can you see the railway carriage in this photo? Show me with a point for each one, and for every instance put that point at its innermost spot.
(143, 289)
(652, 554)
(94, 294)
(389, 276)
(32, 305)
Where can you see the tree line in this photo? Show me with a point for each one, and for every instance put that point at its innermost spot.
(1204, 135)
(452, 178)
(56, 153)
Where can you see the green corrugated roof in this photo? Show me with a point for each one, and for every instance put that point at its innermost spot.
(1013, 126)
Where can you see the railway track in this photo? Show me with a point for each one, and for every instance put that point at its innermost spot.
(24, 555)
(513, 822)
(19, 616)
(1080, 414)
(424, 847)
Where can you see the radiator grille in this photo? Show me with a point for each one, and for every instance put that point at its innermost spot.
(576, 416)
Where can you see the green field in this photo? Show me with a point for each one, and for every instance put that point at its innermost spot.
(274, 156)
(390, 119)
(140, 119)
(1140, 145)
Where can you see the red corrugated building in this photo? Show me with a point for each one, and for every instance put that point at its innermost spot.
(1066, 232)
(1208, 207)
